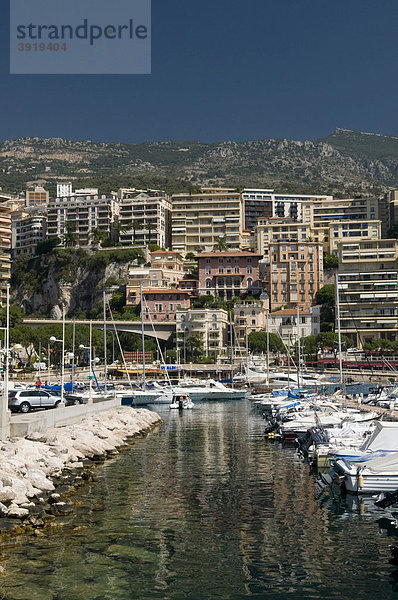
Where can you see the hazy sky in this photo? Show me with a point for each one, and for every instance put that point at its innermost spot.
(226, 70)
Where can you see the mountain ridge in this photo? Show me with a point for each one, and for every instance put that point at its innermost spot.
(344, 162)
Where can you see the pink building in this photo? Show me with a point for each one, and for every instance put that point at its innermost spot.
(161, 305)
(229, 274)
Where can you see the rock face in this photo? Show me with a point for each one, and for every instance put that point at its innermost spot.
(32, 468)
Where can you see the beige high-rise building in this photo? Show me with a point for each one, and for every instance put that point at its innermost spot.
(368, 290)
(349, 231)
(275, 229)
(145, 217)
(199, 220)
(296, 273)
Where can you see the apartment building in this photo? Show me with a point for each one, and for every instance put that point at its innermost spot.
(352, 231)
(162, 305)
(200, 220)
(388, 211)
(166, 271)
(284, 324)
(229, 274)
(64, 189)
(319, 212)
(296, 272)
(80, 215)
(274, 229)
(211, 325)
(36, 196)
(5, 246)
(368, 290)
(26, 231)
(248, 317)
(257, 204)
(145, 217)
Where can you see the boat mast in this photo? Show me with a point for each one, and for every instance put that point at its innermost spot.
(339, 335)
(232, 348)
(288, 361)
(266, 321)
(143, 338)
(73, 352)
(298, 347)
(105, 363)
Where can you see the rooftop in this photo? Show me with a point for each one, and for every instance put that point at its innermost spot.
(227, 254)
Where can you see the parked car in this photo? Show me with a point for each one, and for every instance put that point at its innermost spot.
(24, 400)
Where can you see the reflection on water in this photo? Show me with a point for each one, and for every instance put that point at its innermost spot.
(204, 508)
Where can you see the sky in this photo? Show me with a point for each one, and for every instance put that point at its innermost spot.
(225, 70)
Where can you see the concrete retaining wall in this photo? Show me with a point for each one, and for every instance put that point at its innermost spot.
(22, 425)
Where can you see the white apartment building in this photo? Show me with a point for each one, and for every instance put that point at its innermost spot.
(64, 189)
(284, 323)
(368, 290)
(199, 220)
(145, 217)
(211, 326)
(26, 232)
(5, 246)
(80, 215)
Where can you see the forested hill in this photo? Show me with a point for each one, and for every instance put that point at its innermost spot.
(345, 162)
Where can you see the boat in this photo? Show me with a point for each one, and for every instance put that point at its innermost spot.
(374, 476)
(181, 402)
(210, 390)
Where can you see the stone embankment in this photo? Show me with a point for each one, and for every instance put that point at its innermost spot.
(38, 473)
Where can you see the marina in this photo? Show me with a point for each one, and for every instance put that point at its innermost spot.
(205, 506)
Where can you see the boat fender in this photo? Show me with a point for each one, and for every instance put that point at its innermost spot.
(360, 480)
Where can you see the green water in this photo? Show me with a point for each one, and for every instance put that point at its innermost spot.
(203, 508)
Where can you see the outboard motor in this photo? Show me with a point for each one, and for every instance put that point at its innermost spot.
(386, 499)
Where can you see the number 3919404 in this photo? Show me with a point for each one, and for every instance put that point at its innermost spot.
(42, 47)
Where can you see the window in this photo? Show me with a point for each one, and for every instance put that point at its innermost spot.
(208, 270)
(253, 313)
(241, 313)
(253, 321)
(236, 269)
(208, 283)
(248, 269)
(249, 282)
(220, 270)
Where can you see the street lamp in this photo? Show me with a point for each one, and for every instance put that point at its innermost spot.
(54, 339)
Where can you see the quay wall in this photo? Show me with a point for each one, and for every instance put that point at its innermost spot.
(40, 422)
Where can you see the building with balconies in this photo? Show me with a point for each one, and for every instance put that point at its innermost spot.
(274, 229)
(295, 272)
(145, 217)
(200, 220)
(210, 325)
(229, 274)
(80, 215)
(166, 271)
(249, 316)
(347, 231)
(26, 232)
(284, 324)
(161, 305)
(5, 247)
(36, 196)
(368, 290)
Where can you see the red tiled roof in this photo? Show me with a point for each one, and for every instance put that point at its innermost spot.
(286, 312)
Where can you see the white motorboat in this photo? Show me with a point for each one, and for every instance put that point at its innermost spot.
(210, 390)
(377, 475)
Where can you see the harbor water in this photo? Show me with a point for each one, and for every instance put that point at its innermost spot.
(205, 507)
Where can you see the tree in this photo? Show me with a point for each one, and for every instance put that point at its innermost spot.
(135, 226)
(16, 315)
(190, 256)
(326, 298)
(150, 227)
(220, 245)
(47, 246)
(330, 261)
(97, 236)
(194, 345)
(258, 342)
(70, 236)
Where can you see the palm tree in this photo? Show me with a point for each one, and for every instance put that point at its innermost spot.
(70, 236)
(97, 235)
(220, 245)
(135, 225)
(150, 227)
